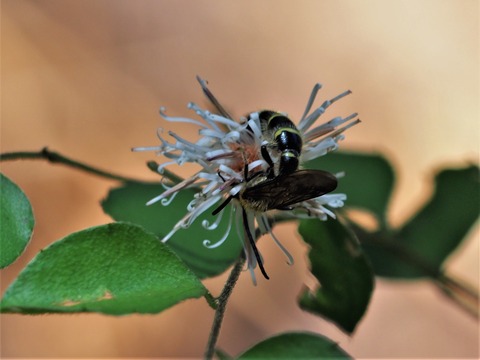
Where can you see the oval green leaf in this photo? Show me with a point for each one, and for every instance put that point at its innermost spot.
(113, 269)
(345, 277)
(127, 203)
(295, 346)
(16, 219)
(420, 247)
(368, 181)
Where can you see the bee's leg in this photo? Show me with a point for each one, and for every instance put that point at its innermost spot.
(225, 202)
(222, 205)
(220, 176)
(247, 178)
(284, 208)
(253, 245)
(268, 159)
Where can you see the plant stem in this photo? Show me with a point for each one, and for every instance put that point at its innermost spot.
(222, 305)
(459, 293)
(55, 157)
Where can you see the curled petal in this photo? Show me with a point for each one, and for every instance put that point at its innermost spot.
(179, 119)
(207, 243)
(254, 125)
(167, 201)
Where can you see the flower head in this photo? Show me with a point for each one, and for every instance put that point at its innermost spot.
(237, 158)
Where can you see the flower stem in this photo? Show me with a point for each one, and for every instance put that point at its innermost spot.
(222, 305)
(55, 157)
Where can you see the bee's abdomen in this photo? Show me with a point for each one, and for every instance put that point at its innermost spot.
(288, 141)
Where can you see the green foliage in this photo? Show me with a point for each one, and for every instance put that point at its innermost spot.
(303, 346)
(420, 247)
(368, 181)
(16, 219)
(127, 203)
(113, 269)
(339, 264)
(121, 268)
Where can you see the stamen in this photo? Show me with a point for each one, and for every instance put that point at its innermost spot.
(264, 221)
(311, 99)
(328, 212)
(220, 154)
(208, 176)
(226, 170)
(179, 119)
(348, 126)
(167, 201)
(225, 121)
(204, 114)
(200, 209)
(206, 224)
(327, 127)
(211, 133)
(181, 185)
(193, 146)
(230, 137)
(161, 167)
(310, 119)
(318, 149)
(207, 243)
(170, 234)
(212, 98)
(147, 148)
(257, 163)
(252, 275)
(255, 129)
(333, 200)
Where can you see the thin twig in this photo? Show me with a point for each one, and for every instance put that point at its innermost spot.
(460, 294)
(222, 305)
(55, 157)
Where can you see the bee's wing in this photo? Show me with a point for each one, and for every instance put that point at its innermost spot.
(287, 190)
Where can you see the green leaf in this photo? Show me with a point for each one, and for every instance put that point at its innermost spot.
(127, 203)
(420, 247)
(345, 276)
(368, 180)
(295, 346)
(16, 219)
(113, 269)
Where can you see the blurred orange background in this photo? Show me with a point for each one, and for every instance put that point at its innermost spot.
(86, 78)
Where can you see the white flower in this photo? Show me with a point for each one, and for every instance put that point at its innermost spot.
(228, 151)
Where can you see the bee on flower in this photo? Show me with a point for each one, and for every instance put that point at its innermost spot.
(252, 167)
